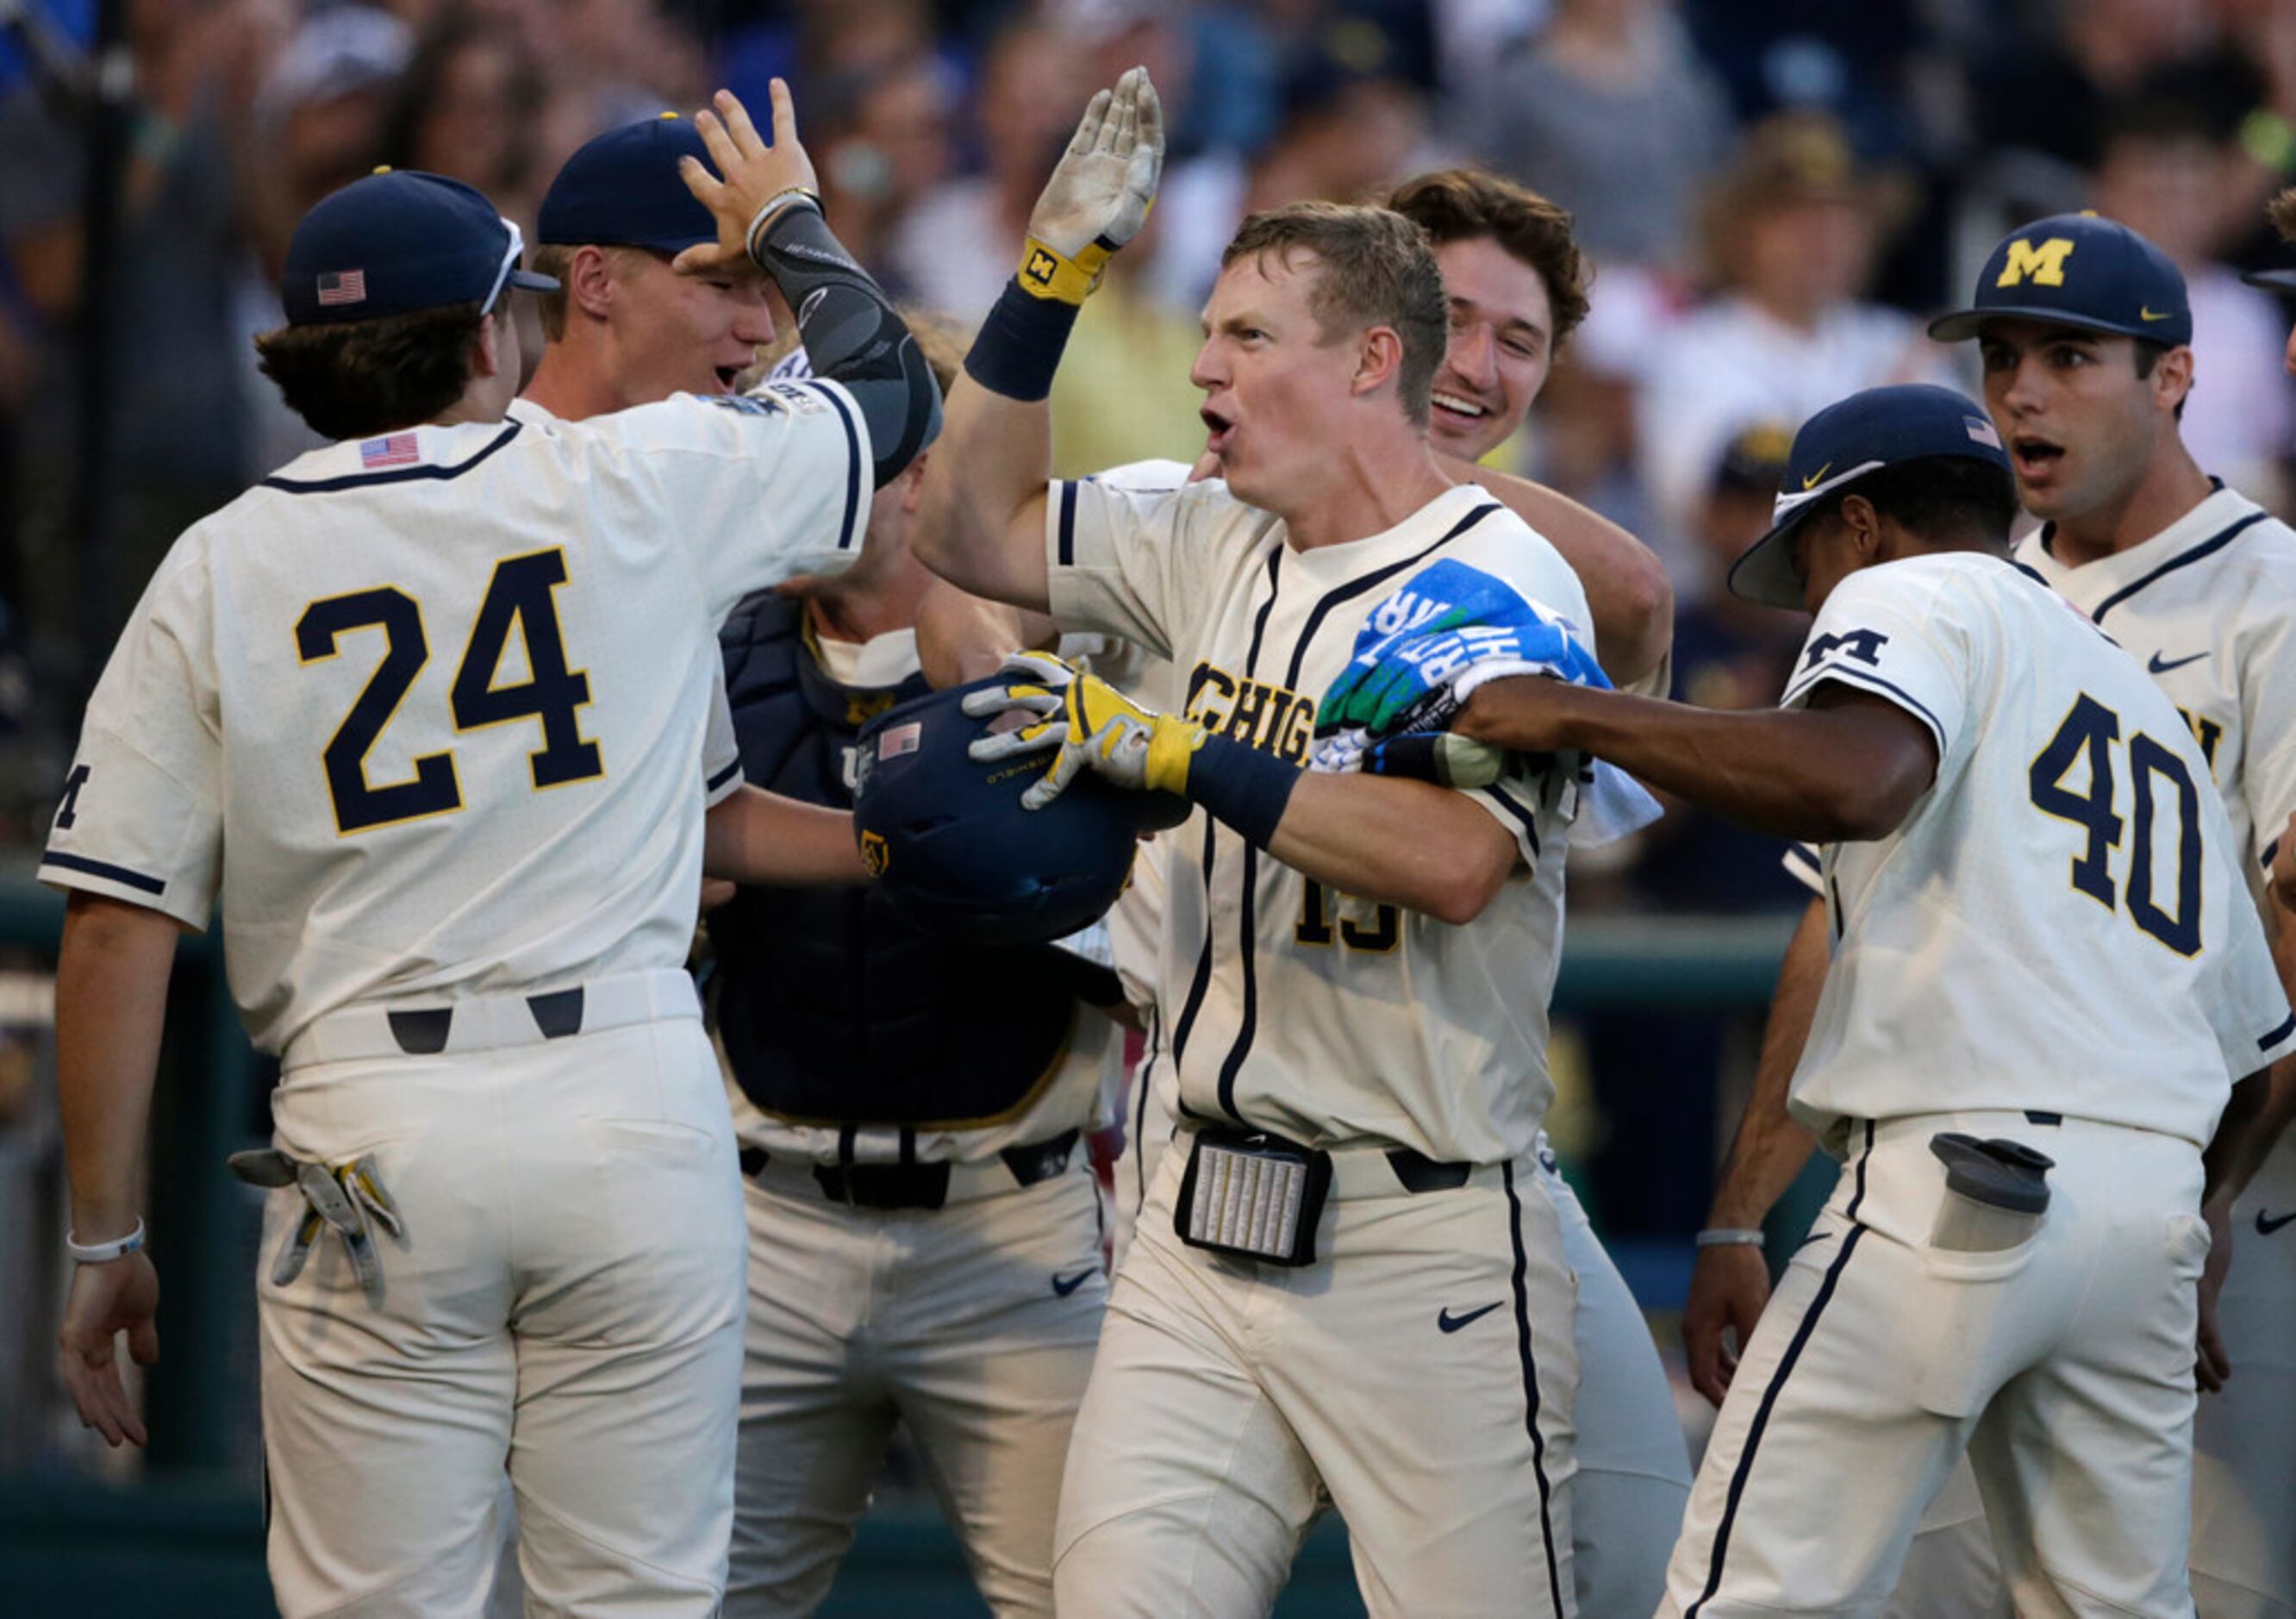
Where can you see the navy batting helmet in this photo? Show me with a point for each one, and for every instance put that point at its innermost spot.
(946, 838)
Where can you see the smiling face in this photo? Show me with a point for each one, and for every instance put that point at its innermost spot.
(1502, 343)
(683, 334)
(2081, 427)
(1276, 391)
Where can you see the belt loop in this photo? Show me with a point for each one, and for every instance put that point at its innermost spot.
(422, 1033)
(558, 1013)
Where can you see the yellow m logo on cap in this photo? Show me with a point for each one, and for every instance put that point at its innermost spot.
(2046, 264)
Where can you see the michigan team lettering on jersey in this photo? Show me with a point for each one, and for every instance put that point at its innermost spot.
(2073, 865)
(324, 676)
(1324, 1018)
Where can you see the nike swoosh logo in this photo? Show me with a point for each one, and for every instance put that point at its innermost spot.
(1810, 482)
(2159, 667)
(2144, 314)
(1448, 1322)
(2266, 1228)
(1066, 1285)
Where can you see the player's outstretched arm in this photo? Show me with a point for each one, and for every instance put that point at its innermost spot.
(1730, 1281)
(1846, 767)
(111, 996)
(962, 636)
(1410, 843)
(1627, 593)
(768, 207)
(764, 840)
(983, 527)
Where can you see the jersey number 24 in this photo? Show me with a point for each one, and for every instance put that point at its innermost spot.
(519, 597)
(2089, 732)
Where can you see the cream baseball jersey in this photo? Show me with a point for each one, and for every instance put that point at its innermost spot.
(424, 710)
(2060, 925)
(1284, 1004)
(2209, 604)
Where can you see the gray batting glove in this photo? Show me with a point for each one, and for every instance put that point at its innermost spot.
(1101, 187)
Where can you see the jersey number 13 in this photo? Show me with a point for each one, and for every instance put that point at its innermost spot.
(519, 597)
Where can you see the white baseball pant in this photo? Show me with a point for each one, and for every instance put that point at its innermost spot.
(1421, 1372)
(565, 1303)
(2244, 1437)
(2062, 1364)
(973, 1324)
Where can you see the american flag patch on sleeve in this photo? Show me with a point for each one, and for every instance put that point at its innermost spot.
(345, 287)
(396, 449)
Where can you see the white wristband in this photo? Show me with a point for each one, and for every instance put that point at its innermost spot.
(1729, 1236)
(779, 203)
(98, 1254)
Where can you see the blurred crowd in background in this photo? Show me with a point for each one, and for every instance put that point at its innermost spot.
(1771, 192)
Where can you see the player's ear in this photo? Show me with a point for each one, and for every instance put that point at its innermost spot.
(913, 483)
(589, 281)
(1864, 524)
(2172, 378)
(487, 348)
(1378, 358)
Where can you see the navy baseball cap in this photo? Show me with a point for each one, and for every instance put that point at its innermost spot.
(2078, 270)
(1850, 440)
(622, 189)
(398, 241)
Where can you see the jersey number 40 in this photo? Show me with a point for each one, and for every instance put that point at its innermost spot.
(519, 597)
(2088, 732)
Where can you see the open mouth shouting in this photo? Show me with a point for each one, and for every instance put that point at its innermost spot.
(2036, 458)
(1219, 429)
(727, 376)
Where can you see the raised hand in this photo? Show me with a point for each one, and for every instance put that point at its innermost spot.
(1104, 182)
(753, 179)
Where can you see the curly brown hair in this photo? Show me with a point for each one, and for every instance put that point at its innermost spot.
(1466, 204)
(354, 379)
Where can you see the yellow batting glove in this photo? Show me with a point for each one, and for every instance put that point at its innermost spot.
(1092, 724)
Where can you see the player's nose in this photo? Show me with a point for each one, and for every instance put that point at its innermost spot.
(1208, 372)
(753, 321)
(1473, 356)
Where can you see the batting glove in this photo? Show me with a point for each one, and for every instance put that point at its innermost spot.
(345, 1196)
(1101, 189)
(1092, 724)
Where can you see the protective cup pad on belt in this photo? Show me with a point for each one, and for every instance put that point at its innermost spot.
(1254, 1196)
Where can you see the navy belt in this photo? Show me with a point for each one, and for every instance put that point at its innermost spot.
(917, 1186)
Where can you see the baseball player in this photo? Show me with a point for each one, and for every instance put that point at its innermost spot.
(1348, 1276)
(925, 1225)
(1515, 285)
(625, 328)
(457, 884)
(2009, 1261)
(2083, 327)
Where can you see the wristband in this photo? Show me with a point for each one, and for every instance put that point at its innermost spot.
(1020, 344)
(1729, 1236)
(1047, 272)
(789, 196)
(99, 1254)
(1241, 786)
